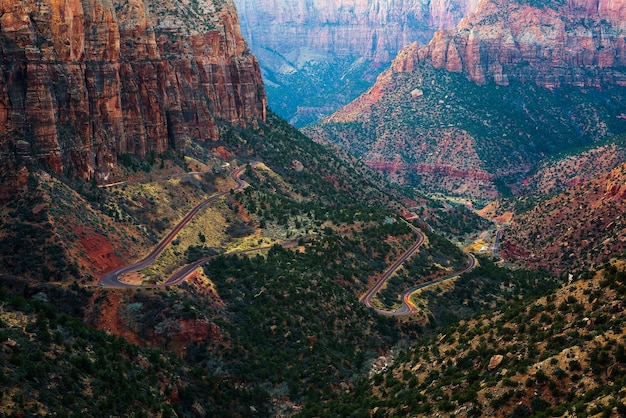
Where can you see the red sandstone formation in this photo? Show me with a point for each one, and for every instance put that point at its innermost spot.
(85, 81)
(580, 43)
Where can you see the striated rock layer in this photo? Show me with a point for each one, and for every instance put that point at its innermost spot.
(511, 85)
(318, 55)
(372, 29)
(84, 81)
(574, 42)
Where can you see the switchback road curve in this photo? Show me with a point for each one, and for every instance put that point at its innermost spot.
(366, 299)
(407, 307)
(111, 279)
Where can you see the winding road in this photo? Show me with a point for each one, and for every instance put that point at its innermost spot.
(366, 299)
(111, 279)
(407, 307)
(496, 243)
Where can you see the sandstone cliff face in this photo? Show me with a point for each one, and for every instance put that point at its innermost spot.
(374, 29)
(84, 81)
(319, 55)
(578, 43)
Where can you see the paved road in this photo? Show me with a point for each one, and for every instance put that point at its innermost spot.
(407, 307)
(366, 299)
(496, 243)
(111, 279)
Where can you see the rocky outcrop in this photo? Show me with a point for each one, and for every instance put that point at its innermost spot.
(84, 81)
(578, 43)
(577, 228)
(190, 331)
(495, 361)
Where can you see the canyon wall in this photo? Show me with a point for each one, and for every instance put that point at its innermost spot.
(373, 29)
(84, 81)
(318, 55)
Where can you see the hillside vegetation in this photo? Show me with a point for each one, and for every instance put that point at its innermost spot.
(293, 237)
(51, 363)
(463, 139)
(268, 331)
(581, 226)
(279, 330)
(563, 353)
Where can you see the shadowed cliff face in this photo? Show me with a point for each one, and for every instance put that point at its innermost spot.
(318, 55)
(84, 81)
(372, 29)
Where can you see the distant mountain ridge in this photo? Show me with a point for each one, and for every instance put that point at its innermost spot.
(319, 55)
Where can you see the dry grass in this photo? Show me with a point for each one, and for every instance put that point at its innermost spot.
(171, 200)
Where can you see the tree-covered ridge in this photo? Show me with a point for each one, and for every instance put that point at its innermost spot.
(296, 321)
(51, 363)
(561, 353)
(487, 133)
(316, 171)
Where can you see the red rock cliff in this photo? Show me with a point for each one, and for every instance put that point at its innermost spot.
(84, 81)
(579, 43)
(318, 55)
